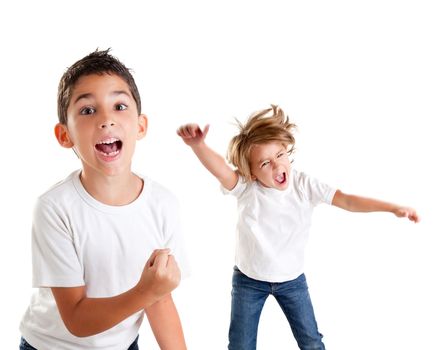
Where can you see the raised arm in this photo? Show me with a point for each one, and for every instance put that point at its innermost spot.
(194, 137)
(85, 316)
(362, 204)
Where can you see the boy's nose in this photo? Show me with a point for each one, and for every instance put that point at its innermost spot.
(106, 124)
(106, 119)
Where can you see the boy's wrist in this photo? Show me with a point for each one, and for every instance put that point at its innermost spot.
(145, 295)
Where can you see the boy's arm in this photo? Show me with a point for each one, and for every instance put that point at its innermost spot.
(166, 325)
(85, 316)
(363, 204)
(194, 137)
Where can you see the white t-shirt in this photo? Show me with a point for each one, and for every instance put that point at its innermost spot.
(78, 241)
(273, 226)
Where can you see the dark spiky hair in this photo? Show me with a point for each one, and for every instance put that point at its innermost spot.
(97, 62)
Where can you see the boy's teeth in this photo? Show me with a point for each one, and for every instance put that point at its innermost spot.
(109, 146)
(110, 154)
(108, 141)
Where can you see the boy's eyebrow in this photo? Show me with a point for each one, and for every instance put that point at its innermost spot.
(89, 95)
(121, 92)
(81, 96)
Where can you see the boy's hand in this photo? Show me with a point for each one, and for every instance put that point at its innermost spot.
(160, 275)
(192, 134)
(406, 212)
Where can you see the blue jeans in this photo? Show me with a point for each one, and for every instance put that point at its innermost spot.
(24, 345)
(248, 298)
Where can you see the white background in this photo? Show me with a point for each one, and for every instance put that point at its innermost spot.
(359, 78)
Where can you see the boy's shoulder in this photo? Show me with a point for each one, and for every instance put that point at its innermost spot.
(157, 193)
(60, 189)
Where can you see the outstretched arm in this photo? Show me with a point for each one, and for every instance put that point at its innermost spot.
(194, 137)
(363, 204)
(166, 325)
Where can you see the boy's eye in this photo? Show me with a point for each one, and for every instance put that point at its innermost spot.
(265, 163)
(280, 155)
(87, 111)
(120, 107)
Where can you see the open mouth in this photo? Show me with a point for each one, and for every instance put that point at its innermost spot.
(281, 178)
(110, 147)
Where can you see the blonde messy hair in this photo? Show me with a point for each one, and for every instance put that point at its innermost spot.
(263, 126)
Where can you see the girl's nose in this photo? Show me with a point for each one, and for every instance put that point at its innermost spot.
(274, 164)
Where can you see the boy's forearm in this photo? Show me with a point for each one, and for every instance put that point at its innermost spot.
(91, 316)
(84, 316)
(166, 325)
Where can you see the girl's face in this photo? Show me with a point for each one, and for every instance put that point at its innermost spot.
(269, 164)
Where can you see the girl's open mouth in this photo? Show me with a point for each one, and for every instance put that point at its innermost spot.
(281, 178)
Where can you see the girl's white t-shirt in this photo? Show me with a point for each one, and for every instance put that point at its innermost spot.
(273, 226)
(78, 241)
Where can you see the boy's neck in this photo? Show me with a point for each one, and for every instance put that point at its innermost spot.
(112, 190)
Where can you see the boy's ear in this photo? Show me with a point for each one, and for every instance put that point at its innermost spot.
(62, 135)
(142, 126)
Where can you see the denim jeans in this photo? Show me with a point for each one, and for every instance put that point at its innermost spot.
(248, 298)
(24, 345)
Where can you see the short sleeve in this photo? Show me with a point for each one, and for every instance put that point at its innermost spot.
(316, 191)
(238, 189)
(55, 262)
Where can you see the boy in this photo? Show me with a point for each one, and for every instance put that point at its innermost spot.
(100, 237)
(275, 203)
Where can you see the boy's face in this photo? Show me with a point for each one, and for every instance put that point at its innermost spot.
(269, 164)
(103, 124)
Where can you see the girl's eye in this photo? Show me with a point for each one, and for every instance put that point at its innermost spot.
(264, 164)
(120, 107)
(87, 111)
(280, 155)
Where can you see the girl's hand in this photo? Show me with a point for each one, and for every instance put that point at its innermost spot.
(192, 134)
(407, 212)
